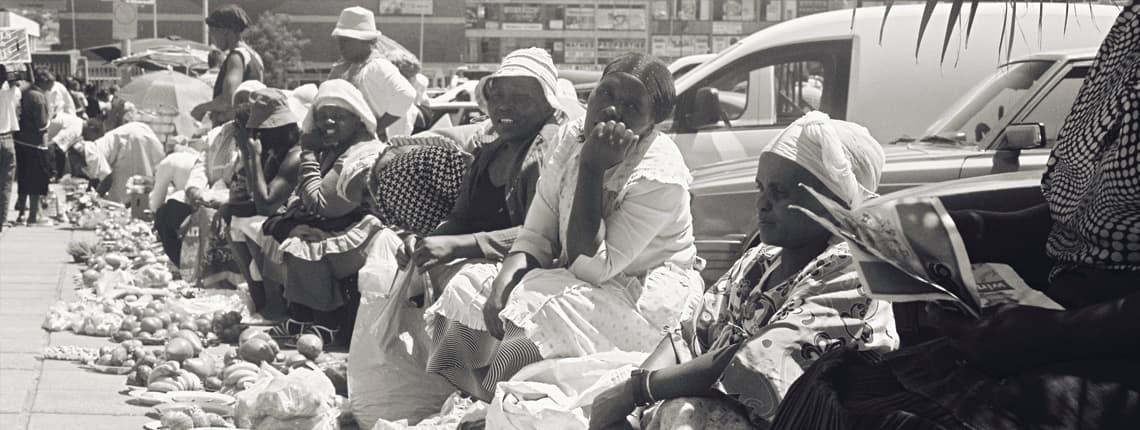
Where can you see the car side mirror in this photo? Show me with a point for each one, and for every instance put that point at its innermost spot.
(1022, 136)
(706, 108)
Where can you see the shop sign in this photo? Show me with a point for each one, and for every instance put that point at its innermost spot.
(14, 46)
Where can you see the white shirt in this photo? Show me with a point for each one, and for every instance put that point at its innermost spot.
(65, 130)
(59, 100)
(384, 88)
(171, 174)
(9, 108)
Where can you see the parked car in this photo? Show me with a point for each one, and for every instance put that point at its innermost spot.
(1007, 123)
(687, 63)
(730, 107)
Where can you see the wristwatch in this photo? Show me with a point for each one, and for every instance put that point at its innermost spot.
(639, 378)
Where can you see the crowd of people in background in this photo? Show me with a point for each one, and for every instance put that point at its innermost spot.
(551, 232)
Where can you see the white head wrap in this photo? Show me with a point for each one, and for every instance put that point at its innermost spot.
(841, 154)
(340, 93)
(247, 87)
(531, 62)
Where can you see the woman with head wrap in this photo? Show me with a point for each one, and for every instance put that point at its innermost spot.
(605, 257)
(462, 253)
(1026, 367)
(752, 322)
(317, 246)
(242, 63)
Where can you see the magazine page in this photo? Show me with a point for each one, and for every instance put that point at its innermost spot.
(915, 236)
(999, 284)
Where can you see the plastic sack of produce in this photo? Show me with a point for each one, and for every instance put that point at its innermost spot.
(386, 377)
(552, 393)
(303, 399)
(457, 413)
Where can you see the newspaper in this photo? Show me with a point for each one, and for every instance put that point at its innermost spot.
(910, 250)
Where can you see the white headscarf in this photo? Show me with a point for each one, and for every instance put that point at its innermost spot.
(247, 87)
(340, 93)
(530, 62)
(843, 155)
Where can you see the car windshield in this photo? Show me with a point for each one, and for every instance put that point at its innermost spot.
(987, 106)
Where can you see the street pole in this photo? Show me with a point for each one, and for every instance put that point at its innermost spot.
(154, 17)
(205, 28)
(421, 38)
(74, 45)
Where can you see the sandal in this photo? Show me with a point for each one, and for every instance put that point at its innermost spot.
(328, 336)
(288, 330)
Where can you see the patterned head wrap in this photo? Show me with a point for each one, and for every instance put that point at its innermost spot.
(530, 62)
(841, 154)
(415, 187)
(652, 73)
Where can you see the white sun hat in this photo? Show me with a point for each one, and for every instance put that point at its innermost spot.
(356, 23)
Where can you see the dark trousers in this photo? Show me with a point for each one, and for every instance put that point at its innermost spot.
(168, 221)
(7, 174)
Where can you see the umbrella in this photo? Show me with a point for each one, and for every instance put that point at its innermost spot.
(167, 97)
(112, 51)
(167, 57)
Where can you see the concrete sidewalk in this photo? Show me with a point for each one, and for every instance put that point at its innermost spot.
(35, 273)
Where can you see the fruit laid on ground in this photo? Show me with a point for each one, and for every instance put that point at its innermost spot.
(296, 360)
(231, 356)
(310, 345)
(151, 324)
(257, 351)
(191, 336)
(253, 333)
(177, 420)
(69, 353)
(239, 375)
(212, 383)
(202, 366)
(179, 349)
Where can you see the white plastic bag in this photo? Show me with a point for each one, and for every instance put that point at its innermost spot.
(386, 377)
(554, 393)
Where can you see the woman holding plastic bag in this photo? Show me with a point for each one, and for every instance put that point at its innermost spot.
(386, 377)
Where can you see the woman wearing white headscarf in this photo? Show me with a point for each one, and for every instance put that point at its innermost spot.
(781, 305)
(317, 246)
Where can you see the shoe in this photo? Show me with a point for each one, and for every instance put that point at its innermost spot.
(288, 330)
(328, 336)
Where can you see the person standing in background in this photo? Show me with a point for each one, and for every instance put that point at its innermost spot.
(75, 87)
(33, 168)
(409, 67)
(59, 97)
(9, 123)
(389, 95)
(241, 63)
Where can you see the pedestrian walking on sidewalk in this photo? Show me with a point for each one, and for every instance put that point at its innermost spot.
(9, 123)
(362, 62)
(241, 63)
(33, 163)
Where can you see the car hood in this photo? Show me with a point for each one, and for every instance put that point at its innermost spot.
(904, 165)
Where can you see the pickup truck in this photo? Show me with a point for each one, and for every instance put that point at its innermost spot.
(1007, 123)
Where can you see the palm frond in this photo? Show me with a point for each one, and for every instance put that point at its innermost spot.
(955, 11)
(1065, 27)
(1004, 24)
(1012, 27)
(1040, 24)
(926, 14)
(859, 4)
(970, 21)
(887, 11)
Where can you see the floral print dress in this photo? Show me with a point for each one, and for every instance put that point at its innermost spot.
(786, 326)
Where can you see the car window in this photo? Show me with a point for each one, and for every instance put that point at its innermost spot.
(777, 86)
(1057, 103)
(746, 94)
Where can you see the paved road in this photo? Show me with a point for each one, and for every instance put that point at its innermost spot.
(34, 394)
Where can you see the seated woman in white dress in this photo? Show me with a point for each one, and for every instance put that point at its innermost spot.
(605, 257)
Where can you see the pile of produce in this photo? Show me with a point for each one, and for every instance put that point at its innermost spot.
(170, 339)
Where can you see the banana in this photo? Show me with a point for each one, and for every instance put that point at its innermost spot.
(246, 381)
(162, 386)
(229, 370)
(191, 381)
(238, 375)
